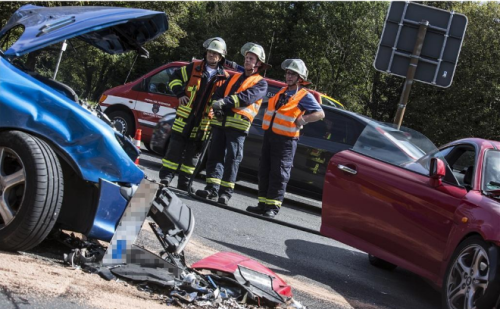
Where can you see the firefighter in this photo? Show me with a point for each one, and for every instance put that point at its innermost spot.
(287, 112)
(235, 105)
(194, 85)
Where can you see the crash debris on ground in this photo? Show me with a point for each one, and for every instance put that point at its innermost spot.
(224, 280)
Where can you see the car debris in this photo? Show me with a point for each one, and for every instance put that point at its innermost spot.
(223, 280)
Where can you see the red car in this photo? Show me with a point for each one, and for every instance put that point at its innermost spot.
(141, 103)
(435, 212)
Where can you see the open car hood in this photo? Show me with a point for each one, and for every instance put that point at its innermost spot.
(113, 30)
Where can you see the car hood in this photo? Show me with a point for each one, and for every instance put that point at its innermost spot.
(113, 30)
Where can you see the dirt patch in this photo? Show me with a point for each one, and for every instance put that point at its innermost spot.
(24, 275)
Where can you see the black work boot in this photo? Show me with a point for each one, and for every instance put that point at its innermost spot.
(207, 194)
(224, 198)
(183, 182)
(271, 211)
(183, 186)
(165, 176)
(260, 209)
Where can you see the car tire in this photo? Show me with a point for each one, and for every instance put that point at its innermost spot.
(31, 190)
(463, 284)
(379, 263)
(123, 123)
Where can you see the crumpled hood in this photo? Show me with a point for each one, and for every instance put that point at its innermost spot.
(113, 30)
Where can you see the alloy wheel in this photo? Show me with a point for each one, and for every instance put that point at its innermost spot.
(468, 277)
(12, 185)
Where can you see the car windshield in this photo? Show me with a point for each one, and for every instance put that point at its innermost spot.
(398, 147)
(491, 179)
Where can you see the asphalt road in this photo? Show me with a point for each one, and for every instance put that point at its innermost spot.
(323, 273)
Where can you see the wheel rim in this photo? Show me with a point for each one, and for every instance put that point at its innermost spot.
(468, 278)
(12, 185)
(120, 125)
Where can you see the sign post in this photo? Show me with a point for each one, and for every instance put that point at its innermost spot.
(420, 43)
(422, 30)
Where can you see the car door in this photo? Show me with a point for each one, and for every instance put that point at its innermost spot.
(394, 213)
(318, 142)
(155, 98)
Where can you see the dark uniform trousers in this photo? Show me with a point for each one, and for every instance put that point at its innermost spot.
(276, 162)
(224, 158)
(189, 157)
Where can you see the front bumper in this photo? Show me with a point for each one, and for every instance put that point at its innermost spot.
(113, 200)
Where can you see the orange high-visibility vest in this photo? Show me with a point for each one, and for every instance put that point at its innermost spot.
(285, 116)
(192, 88)
(251, 110)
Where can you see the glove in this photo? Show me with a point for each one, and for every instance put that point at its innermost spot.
(232, 64)
(218, 105)
(300, 121)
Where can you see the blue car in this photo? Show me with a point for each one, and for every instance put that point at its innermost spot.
(61, 165)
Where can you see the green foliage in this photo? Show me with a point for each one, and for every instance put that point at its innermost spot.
(337, 40)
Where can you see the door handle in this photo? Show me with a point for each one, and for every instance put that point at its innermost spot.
(347, 169)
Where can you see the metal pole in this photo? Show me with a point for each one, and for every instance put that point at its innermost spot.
(63, 48)
(424, 24)
(270, 50)
(133, 63)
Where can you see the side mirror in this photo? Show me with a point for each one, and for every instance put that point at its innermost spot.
(437, 171)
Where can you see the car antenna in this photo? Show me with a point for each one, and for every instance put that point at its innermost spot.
(133, 63)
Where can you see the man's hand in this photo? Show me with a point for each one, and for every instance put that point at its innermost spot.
(218, 105)
(183, 100)
(300, 122)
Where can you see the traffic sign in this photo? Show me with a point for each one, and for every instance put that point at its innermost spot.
(440, 50)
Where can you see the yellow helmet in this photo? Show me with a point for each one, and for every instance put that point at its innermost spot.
(296, 65)
(255, 49)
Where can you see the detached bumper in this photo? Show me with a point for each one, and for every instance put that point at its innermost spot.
(113, 200)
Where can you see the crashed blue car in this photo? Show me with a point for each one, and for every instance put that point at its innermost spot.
(61, 164)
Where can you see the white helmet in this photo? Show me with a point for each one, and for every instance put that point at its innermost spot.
(255, 49)
(296, 65)
(217, 45)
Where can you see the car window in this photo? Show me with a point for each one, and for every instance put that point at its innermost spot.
(327, 101)
(491, 171)
(335, 128)
(453, 158)
(158, 83)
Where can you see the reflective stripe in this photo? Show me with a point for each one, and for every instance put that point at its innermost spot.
(286, 118)
(227, 184)
(273, 202)
(269, 113)
(170, 165)
(250, 111)
(175, 82)
(266, 123)
(214, 180)
(262, 199)
(216, 122)
(240, 124)
(187, 169)
(192, 90)
(236, 100)
(285, 128)
(184, 74)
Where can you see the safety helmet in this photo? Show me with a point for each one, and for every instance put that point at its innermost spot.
(255, 49)
(296, 65)
(217, 45)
